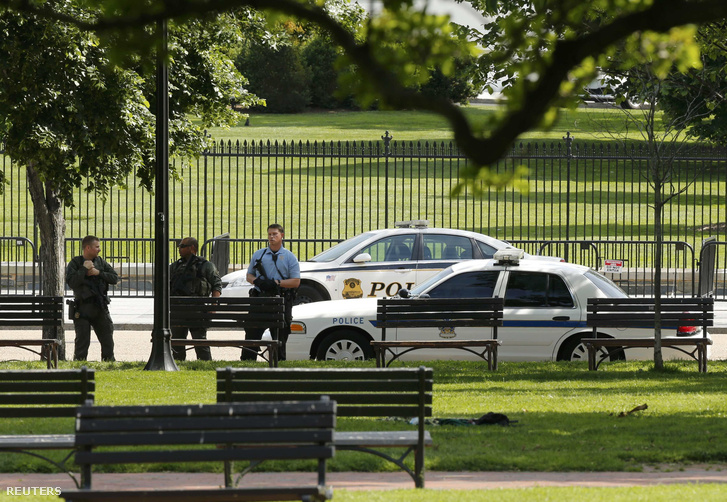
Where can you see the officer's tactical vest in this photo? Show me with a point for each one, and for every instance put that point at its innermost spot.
(188, 280)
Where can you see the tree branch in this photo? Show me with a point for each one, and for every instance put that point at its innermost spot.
(661, 16)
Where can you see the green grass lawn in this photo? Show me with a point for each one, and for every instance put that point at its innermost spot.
(663, 493)
(567, 417)
(585, 124)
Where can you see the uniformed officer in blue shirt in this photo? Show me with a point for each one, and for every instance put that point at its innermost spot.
(274, 271)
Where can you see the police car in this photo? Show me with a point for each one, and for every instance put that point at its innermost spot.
(381, 262)
(544, 316)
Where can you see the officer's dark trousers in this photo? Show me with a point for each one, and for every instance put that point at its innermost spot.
(180, 352)
(96, 317)
(250, 354)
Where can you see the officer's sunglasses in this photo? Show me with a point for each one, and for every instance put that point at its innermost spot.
(182, 246)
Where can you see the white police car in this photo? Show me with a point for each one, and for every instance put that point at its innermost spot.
(544, 316)
(381, 262)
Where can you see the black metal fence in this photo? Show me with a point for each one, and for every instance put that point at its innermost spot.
(324, 192)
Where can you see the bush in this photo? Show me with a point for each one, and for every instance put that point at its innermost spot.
(277, 75)
(319, 57)
(458, 88)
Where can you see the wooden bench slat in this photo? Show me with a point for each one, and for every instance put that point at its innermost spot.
(46, 375)
(338, 386)
(40, 399)
(141, 425)
(46, 387)
(438, 343)
(213, 454)
(38, 442)
(374, 439)
(271, 435)
(311, 374)
(217, 495)
(647, 342)
(62, 411)
(340, 398)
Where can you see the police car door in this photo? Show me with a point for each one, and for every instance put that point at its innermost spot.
(391, 268)
(477, 284)
(440, 251)
(539, 310)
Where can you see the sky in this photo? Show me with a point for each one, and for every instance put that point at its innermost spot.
(461, 13)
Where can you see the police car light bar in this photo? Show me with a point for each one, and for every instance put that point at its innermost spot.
(412, 224)
(509, 256)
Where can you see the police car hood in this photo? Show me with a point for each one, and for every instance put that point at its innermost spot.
(336, 308)
(305, 266)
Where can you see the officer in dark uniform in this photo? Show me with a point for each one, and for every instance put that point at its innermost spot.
(274, 271)
(89, 276)
(192, 275)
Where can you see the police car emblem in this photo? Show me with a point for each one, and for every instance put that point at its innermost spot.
(447, 332)
(352, 289)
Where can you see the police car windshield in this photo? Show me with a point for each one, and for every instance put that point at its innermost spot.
(432, 280)
(341, 248)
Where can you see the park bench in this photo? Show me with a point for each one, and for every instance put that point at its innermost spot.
(42, 394)
(226, 313)
(443, 313)
(205, 433)
(380, 393)
(24, 311)
(640, 313)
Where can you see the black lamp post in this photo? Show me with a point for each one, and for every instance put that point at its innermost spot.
(161, 345)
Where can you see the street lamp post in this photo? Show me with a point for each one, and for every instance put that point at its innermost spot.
(161, 336)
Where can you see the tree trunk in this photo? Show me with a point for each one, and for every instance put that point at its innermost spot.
(659, 235)
(48, 210)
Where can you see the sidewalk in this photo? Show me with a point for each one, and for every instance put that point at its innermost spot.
(355, 481)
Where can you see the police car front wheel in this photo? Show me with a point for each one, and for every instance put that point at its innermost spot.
(307, 294)
(345, 345)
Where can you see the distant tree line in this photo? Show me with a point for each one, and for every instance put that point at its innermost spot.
(298, 67)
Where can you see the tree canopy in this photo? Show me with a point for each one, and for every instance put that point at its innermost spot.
(553, 46)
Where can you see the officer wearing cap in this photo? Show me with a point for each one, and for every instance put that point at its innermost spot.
(274, 271)
(192, 275)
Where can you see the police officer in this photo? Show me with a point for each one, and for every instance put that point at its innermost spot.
(273, 271)
(192, 275)
(89, 276)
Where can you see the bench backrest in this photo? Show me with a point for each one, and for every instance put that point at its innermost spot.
(205, 433)
(438, 313)
(19, 310)
(359, 392)
(227, 312)
(45, 393)
(640, 313)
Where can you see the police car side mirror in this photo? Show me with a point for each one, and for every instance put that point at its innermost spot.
(403, 293)
(362, 258)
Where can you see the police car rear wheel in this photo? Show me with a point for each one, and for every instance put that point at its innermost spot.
(575, 350)
(307, 294)
(345, 346)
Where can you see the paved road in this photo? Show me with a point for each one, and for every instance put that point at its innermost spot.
(387, 480)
